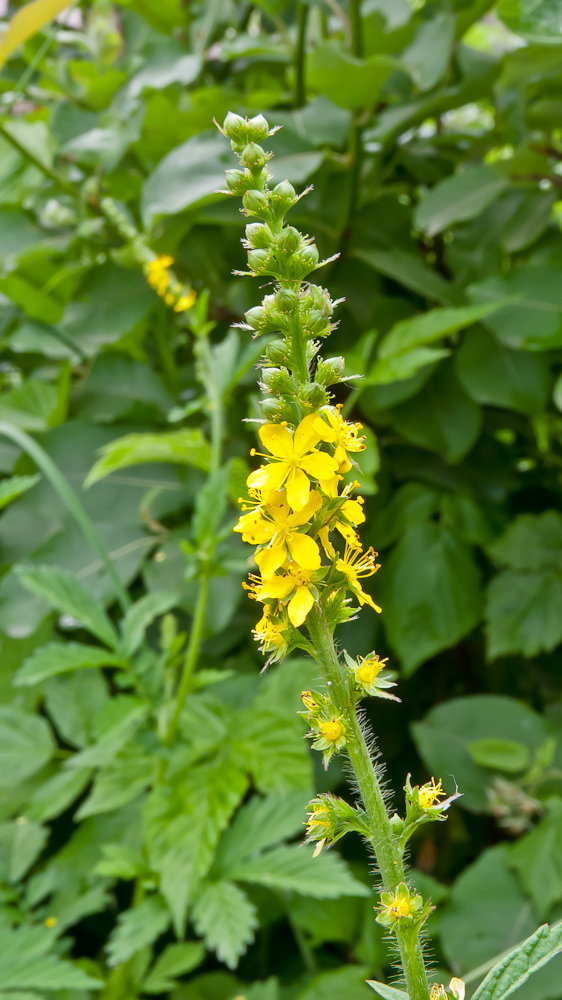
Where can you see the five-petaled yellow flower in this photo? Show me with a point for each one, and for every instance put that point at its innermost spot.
(276, 527)
(295, 579)
(295, 459)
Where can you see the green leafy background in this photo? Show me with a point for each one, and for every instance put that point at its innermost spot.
(131, 866)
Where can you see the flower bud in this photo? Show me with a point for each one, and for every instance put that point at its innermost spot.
(286, 300)
(256, 203)
(289, 240)
(255, 317)
(237, 181)
(277, 351)
(283, 197)
(315, 394)
(258, 128)
(278, 380)
(318, 324)
(258, 235)
(330, 371)
(306, 262)
(259, 259)
(253, 156)
(234, 127)
(271, 408)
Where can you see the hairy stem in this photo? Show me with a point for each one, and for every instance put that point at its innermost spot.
(387, 852)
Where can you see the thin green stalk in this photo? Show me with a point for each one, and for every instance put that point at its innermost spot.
(65, 185)
(300, 54)
(73, 504)
(356, 28)
(387, 852)
(191, 655)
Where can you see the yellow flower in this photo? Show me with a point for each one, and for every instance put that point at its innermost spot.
(345, 436)
(437, 992)
(51, 922)
(295, 458)
(369, 670)
(296, 579)
(308, 701)
(430, 793)
(185, 302)
(457, 988)
(157, 274)
(356, 565)
(331, 729)
(269, 632)
(276, 526)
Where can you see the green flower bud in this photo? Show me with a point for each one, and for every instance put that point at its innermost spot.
(234, 127)
(278, 380)
(258, 128)
(315, 394)
(289, 240)
(306, 262)
(253, 156)
(277, 351)
(237, 181)
(330, 371)
(271, 408)
(286, 300)
(318, 324)
(256, 317)
(283, 197)
(258, 235)
(259, 259)
(256, 203)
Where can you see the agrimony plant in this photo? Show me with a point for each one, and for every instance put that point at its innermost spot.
(302, 514)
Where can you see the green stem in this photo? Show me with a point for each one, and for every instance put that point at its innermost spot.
(54, 177)
(356, 28)
(387, 852)
(73, 504)
(299, 363)
(300, 54)
(191, 656)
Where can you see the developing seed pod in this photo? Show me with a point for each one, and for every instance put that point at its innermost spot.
(271, 408)
(306, 262)
(278, 380)
(259, 260)
(286, 300)
(258, 128)
(237, 181)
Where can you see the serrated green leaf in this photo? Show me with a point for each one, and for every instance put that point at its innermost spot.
(186, 447)
(64, 592)
(57, 793)
(61, 658)
(294, 869)
(175, 960)
(226, 918)
(515, 969)
(21, 842)
(458, 198)
(137, 928)
(141, 615)
(26, 745)
(259, 824)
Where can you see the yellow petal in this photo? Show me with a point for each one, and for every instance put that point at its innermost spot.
(277, 586)
(330, 486)
(351, 536)
(307, 435)
(324, 536)
(268, 477)
(319, 465)
(302, 516)
(271, 559)
(304, 550)
(277, 440)
(366, 599)
(300, 605)
(353, 511)
(298, 489)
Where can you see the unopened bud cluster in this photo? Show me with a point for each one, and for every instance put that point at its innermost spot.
(329, 818)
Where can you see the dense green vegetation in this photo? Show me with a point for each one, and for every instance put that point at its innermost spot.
(152, 783)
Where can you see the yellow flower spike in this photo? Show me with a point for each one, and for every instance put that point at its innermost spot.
(357, 565)
(293, 459)
(430, 793)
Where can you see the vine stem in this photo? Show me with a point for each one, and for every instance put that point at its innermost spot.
(72, 503)
(387, 852)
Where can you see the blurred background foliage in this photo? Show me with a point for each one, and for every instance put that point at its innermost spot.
(142, 855)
